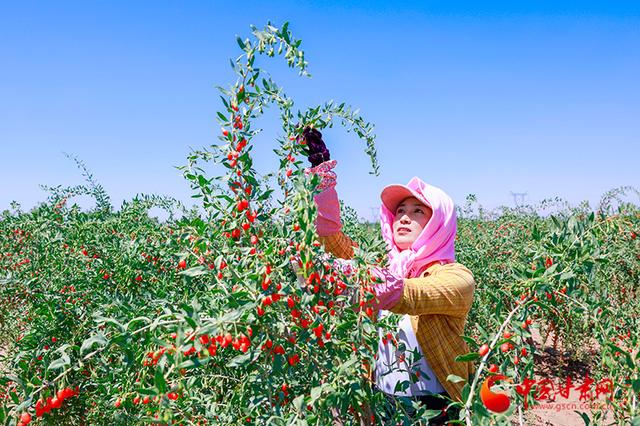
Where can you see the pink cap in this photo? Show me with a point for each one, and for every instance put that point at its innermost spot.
(393, 195)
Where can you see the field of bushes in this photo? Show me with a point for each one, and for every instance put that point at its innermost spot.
(232, 313)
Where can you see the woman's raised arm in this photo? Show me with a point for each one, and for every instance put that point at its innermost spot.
(328, 223)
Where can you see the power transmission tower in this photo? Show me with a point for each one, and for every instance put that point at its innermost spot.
(518, 196)
(375, 211)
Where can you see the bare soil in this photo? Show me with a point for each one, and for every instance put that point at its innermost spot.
(556, 364)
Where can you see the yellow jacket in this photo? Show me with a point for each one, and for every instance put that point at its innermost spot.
(438, 303)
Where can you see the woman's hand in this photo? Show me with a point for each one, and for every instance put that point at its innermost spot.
(389, 288)
(317, 150)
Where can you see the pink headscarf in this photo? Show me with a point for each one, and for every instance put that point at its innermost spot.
(435, 242)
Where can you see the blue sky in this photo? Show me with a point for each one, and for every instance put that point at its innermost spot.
(474, 97)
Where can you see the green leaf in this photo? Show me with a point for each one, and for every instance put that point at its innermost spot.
(88, 343)
(285, 33)
(231, 317)
(298, 402)
(60, 362)
(470, 341)
(465, 392)
(194, 363)
(24, 405)
(101, 319)
(148, 391)
(192, 323)
(430, 414)
(402, 386)
(222, 117)
(138, 319)
(535, 233)
(159, 380)
(551, 269)
(241, 43)
(566, 275)
(471, 356)
(196, 271)
(585, 417)
(623, 352)
(316, 392)
(241, 95)
(455, 379)
(239, 360)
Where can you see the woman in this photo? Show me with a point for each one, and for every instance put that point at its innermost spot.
(423, 283)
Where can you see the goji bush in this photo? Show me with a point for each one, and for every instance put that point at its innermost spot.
(232, 313)
(572, 274)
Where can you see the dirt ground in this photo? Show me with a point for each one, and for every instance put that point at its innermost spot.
(556, 365)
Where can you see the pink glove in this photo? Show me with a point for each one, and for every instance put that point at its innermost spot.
(389, 291)
(328, 221)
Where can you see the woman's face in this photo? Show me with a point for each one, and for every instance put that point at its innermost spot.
(410, 219)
